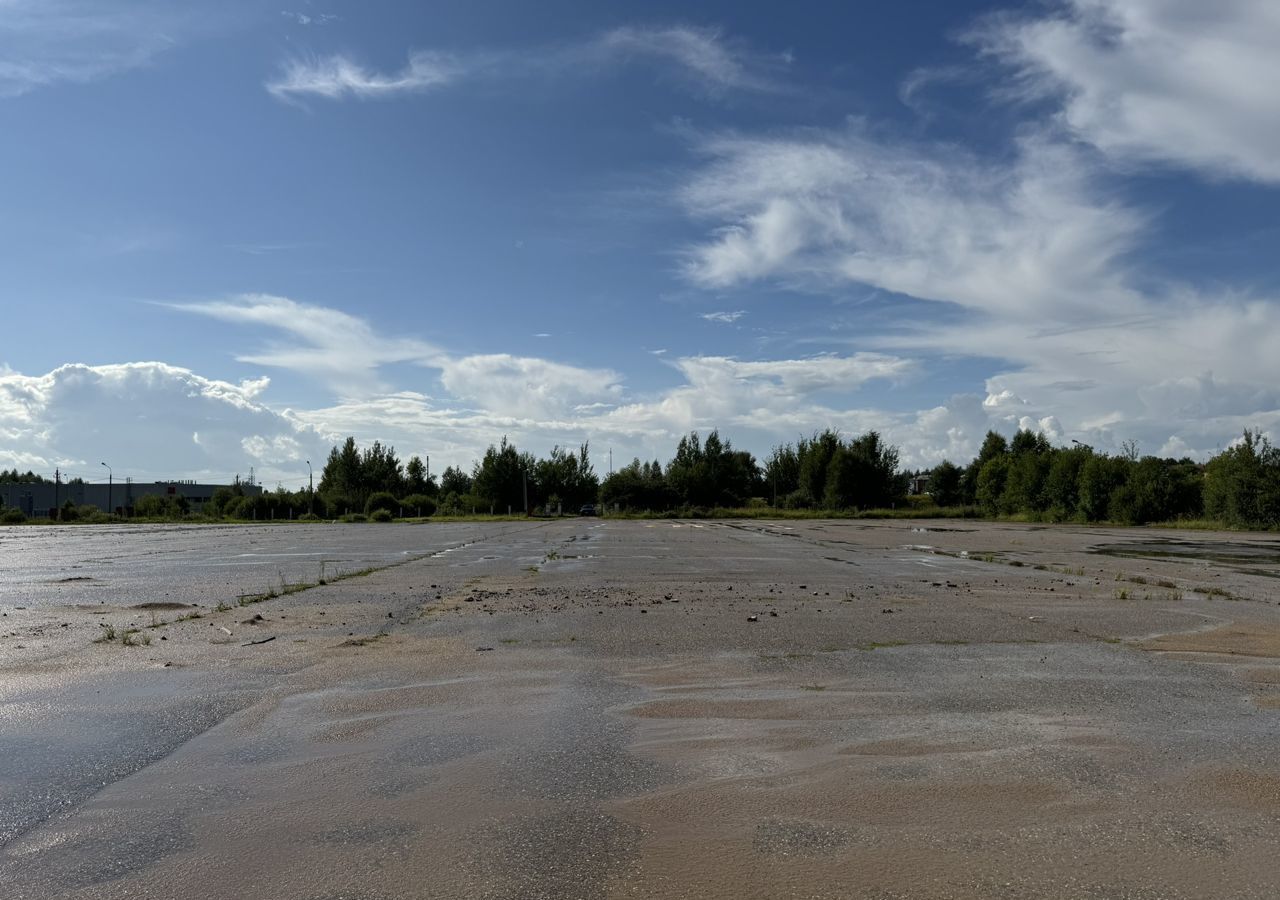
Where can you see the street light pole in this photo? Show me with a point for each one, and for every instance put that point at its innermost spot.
(110, 478)
(311, 491)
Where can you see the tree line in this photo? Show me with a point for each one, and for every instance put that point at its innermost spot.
(1028, 478)
(1025, 477)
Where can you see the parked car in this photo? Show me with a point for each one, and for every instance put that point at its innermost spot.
(587, 510)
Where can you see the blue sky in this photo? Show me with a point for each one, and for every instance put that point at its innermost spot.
(232, 234)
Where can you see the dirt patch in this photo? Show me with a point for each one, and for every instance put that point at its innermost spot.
(770, 709)
(1242, 788)
(1231, 640)
(1262, 675)
(909, 747)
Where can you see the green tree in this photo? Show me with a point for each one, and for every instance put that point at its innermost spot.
(500, 477)
(1242, 483)
(455, 481)
(944, 483)
(990, 483)
(567, 476)
(417, 480)
(1100, 477)
(993, 445)
(782, 472)
(382, 500)
(1062, 483)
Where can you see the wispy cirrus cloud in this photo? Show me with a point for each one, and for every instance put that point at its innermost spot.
(932, 222)
(307, 19)
(1037, 261)
(48, 42)
(336, 77)
(724, 317)
(342, 350)
(707, 54)
(704, 57)
(1183, 83)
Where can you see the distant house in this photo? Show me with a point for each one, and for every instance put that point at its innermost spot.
(920, 484)
(37, 499)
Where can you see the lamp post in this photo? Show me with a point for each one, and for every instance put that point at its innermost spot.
(110, 478)
(311, 491)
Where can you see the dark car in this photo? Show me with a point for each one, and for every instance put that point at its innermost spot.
(587, 510)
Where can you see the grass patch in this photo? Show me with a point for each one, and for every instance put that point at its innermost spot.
(130, 637)
(363, 641)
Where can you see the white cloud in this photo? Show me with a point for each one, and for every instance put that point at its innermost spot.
(704, 56)
(306, 19)
(141, 418)
(337, 77)
(1032, 256)
(769, 397)
(526, 388)
(931, 222)
(47, 42)
(726, 318)
(342, 350)
(1183, 82)
(704, 53)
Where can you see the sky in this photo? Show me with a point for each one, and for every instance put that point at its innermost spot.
(233, 234)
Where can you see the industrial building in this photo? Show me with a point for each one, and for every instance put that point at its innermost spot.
(39, 499)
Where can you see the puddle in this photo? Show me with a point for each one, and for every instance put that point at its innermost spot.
(1256, 553)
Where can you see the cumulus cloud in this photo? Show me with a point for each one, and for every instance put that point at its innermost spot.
(149, 420)
(768, 397)
(337, 77)
(526, 387)
(1176, 81)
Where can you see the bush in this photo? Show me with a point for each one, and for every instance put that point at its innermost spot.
(418, 505)
(308, 517)
(12, 516)
(355, 517)
(158, 506)
(382, 500)
(381, 515)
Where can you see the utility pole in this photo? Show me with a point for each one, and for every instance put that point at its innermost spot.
(610, 462)
(57, 489)
(110, 477)
(311, 491)
(525, 475)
